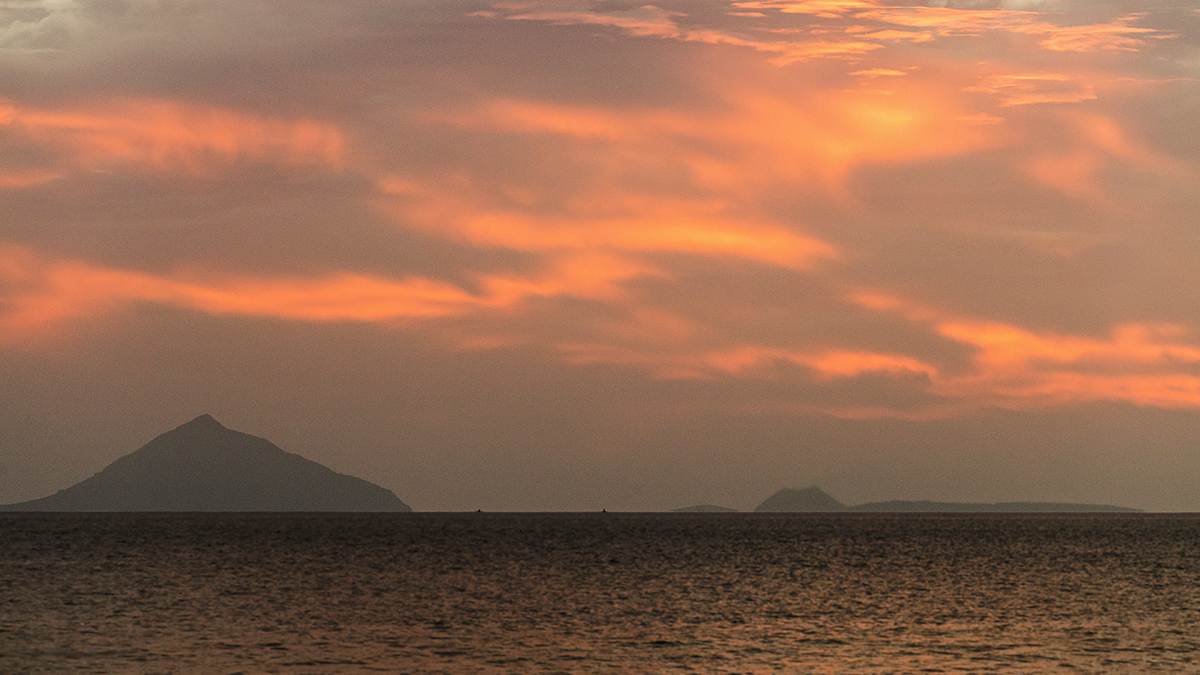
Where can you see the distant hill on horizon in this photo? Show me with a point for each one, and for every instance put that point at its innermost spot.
(705, 508)
(813, 499)
(203, 466)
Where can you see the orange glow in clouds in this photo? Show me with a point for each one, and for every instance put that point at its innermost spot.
(41, 297)
(1022, 369)
(1094, 143)
(798, 141)
(663, 226)
(21, 179)
(827, 364)
(169, 135)
(811, 141)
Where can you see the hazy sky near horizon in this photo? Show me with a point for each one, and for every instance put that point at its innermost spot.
(581, 255)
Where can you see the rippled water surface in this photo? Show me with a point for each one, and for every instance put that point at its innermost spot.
(599, 593)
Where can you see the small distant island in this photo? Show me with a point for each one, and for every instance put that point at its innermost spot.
(815, 500)
(202, 466)
(706, 508)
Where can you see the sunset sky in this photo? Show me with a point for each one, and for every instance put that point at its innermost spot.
(579, 255)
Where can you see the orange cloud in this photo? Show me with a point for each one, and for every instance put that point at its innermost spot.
(789, 52)
(752, 361)
(647, 20)
(651, 21)
(39, 297)
(549, 118)
(948, 21)
(1117, 35)
(898, 36)
(1141, 363)
(170, 135)
(879, 72)
(1107, 135)
(1004, 347)
(614, 223)
(757, 139)
(733, 156)
(580, 274)
(1071, 173)
(1162, 391)
(829, 9)
(1096, 141)
(827, 364)
(761, 137)
(1032, 88)
(830, 137)
(22, 179)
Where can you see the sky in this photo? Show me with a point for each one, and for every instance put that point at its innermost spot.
(574, 255)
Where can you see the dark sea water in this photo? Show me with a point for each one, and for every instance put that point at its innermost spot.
(599, 593)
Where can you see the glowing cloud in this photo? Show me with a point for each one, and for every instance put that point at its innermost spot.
(948, 21)
(761, 137)
(651, 21)
(667, 227)
(1022, 369)
(830, 9)
(827, 364)
(41, 296)
(804, 132)
(21, 179)
(1033, 88)
(755, 362)
(1118, 35)
(879, 72)
(1095, 142)
(648, 20)
(168, 135)
(964, 22)
(38, 297)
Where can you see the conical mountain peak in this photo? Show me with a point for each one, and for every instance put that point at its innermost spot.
(808, 499)
(202, 422)
(203, 466)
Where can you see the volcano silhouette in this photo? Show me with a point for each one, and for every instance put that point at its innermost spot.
(811, 499)
(202, 466)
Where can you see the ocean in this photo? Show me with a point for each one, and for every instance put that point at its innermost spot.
(463, 593)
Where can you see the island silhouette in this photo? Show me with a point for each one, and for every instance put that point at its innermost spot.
(705, 508)
(813, 499)
(202, 466)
